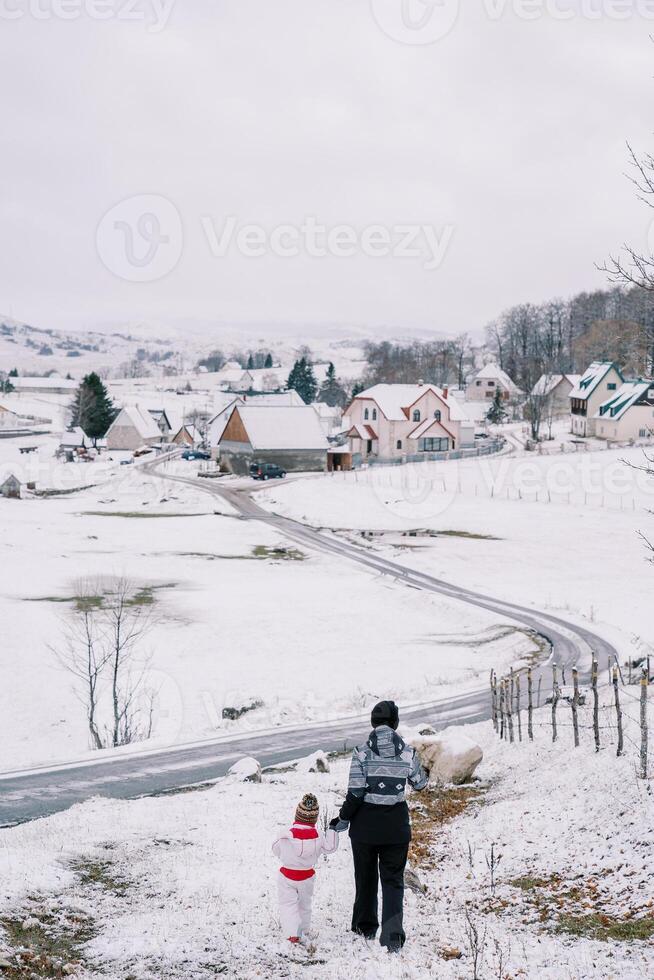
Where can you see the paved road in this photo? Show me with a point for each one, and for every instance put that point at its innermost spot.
(29, 795)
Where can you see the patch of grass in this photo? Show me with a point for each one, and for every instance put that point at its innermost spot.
(133, 514)
(45, 943)
(563, 907)
(438, 807)
(467, 535)
(529, 884)
(605, 927)
(100, 874)
(285, 554)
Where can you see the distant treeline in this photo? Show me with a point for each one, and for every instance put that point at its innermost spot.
(565, 336)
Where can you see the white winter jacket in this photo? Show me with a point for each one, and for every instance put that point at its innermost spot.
(299, 849)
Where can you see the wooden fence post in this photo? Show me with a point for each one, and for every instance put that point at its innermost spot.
(618, 710)
(575, 704)
(517, 706)
(530, 706)
(509, 707)
(593, 680)
(502, 722)
(555, 701)
(540, 681)
(493, 691)
(644, 682)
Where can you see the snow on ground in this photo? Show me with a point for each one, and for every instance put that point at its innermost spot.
(560, 532)
(238, 617)
(184, 885)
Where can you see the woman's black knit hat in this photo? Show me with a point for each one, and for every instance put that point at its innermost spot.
(385, 713)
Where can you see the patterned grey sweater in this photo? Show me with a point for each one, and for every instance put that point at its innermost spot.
(380, 770)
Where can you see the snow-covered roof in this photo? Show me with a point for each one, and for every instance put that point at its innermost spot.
(394, 399)
(289, 397)
(622, 399)
(75, 437)
(140, 419)
(548, 382)
(591, 378)
(233, 374)
(45, 384)
(282, 427)
(494, 372)
(325, 411)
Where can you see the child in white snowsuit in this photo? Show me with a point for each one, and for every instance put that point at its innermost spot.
(299, 849)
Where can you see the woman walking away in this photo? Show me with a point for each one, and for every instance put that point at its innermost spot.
(299, 850)
(380, 828)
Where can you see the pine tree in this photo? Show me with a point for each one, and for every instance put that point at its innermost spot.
(250, 366)
(13, 373)
(357, 388)
(331, 391)
(92, 408)
(269, 361)
(303, 380)
(496, 413)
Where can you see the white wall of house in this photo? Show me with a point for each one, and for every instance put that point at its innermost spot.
(585, 425)
(393, 440)
(636, 423)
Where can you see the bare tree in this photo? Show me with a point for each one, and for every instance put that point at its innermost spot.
(101, 649)
(632, 267)
(83, 653)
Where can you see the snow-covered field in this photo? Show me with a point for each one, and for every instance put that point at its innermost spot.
(561, 532)
(311, 636)
(184, 886)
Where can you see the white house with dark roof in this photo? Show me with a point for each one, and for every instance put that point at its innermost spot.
(485, 383)
(629, 414)
(289, 435)
(392, 421)
(598, 383)
(132, 428)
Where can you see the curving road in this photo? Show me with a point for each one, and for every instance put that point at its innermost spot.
(28, 795)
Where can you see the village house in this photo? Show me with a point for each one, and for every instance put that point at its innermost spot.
(629, 414)
(555, 390)
(10, 487)
(393, 421)
(52, 385)
(288, 435)
(217, 424)
(163, 422)
(73, 442)
(599, 383)
(187, 435)
(9, 420)
(235, 379)
(491, 379)
(132, 429)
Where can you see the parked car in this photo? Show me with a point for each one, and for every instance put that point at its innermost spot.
(196, 454)
(266, 471)
(126, 462)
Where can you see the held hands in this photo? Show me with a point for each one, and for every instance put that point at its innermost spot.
(338, 825)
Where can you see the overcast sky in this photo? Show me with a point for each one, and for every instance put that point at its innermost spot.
(504, 137)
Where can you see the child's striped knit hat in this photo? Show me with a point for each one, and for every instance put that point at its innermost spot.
(307, 810)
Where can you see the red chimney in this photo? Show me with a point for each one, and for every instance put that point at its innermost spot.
(446, 391)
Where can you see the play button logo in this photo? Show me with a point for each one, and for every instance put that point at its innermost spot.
(416, 21)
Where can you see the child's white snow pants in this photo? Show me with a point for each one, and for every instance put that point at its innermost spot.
(295, 899)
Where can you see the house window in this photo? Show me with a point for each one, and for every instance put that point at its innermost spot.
(491, 384)
(612, 387)
(478, 383)
(433, 445)
(416, 415)
(398, 444)
(366, 414)
(374, 414)
(437, 415)
(642, 434)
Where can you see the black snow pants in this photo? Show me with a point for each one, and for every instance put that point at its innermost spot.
(373, 862)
